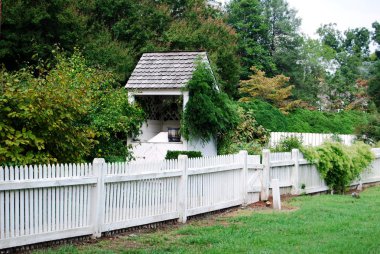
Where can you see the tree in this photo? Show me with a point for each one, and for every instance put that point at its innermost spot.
(274, 90)
(32, 28)
(202, 28)
(248, 19)
(350, 53)
(374, 83)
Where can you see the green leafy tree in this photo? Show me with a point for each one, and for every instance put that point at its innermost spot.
(248, 20)
(32, 28)
(374, 82)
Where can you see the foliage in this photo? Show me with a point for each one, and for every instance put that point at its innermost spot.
(248, 135)
(115, 120)
(303, 120)
(174, 154)
(209, 112)
(248, 19)
(312, 121)
(270, 117)
(287, 144)
(350, 51)
(60, 114)
(274, 90)
(339, 164)
(114, 34)
(370, 132)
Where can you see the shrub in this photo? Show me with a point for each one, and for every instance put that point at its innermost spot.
(303, 120)
(266, 115)
(248, 135)
(339, 164)
(174, 154)
(65, 113)
(287, 144)
(209, 112)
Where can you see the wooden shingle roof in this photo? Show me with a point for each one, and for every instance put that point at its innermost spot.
(164, 70)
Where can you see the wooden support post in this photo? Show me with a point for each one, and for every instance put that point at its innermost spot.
(244, 158)
(182, 189)
(265, 176)
(295, 172)
(98, 197)
(275, 183)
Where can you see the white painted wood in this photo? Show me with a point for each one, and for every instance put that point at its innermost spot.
(98, 198)
(244, 174)
(39, 203)
(265, 177)
(310, 139)
(295, 172)
(275, 183)
(182, 187)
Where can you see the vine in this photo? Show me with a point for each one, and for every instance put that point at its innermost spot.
(209, 113)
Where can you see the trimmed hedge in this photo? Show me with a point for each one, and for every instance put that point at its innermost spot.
(174, 154)
(303, 120)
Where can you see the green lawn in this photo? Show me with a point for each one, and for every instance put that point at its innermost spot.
(322, 224)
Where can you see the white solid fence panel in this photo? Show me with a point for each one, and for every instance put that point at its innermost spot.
(310, 139)
(44, 203)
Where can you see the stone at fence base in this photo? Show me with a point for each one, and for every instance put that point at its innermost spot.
(276, 194)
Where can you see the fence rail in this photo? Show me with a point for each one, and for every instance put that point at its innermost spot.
(49, 202)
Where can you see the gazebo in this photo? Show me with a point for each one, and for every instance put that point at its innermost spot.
(157, 84)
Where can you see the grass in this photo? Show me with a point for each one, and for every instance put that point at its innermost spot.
(322, 224)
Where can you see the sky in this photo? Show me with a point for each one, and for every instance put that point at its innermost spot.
(345, 13)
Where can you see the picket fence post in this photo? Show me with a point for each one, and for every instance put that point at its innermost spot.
(98, 197)
(182, 189)
(265, 178)
(295, 172)
(244, 179)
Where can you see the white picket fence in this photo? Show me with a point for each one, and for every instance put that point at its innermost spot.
(44, 203)
(310, 139)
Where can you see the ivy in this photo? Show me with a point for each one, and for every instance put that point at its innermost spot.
(339, 164)
(209, 112)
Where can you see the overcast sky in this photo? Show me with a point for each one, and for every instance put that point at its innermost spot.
(345, 13)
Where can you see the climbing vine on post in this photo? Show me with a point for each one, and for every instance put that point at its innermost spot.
(209, 112)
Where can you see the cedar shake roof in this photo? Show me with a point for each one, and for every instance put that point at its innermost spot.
(164, 70)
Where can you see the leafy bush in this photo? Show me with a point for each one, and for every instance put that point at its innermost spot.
(174, 154)
(209, 112)
(248, 135)
(287, 144)
(62, 113)
(339, 164)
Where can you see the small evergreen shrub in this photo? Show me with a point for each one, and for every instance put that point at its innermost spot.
(339, 164)
(174, 154)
